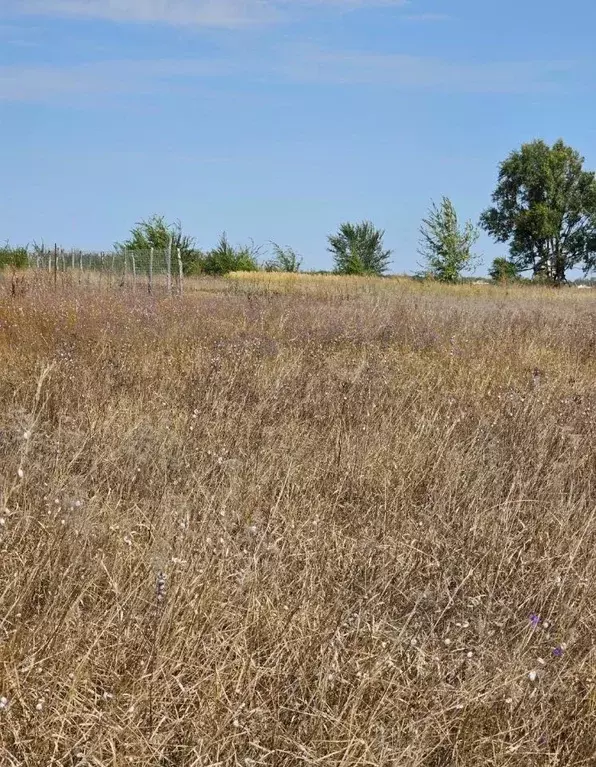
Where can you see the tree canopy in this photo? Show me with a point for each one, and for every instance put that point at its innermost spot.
(445, 246)
(544, 206)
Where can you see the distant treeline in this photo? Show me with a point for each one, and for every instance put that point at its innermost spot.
(543, 208)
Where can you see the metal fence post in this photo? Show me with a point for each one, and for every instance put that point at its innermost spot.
(134, 270)
(150, 278)
(180, 270)
(169, 266)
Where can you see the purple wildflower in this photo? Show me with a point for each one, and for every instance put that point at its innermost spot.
(558, 652)
(534, 620)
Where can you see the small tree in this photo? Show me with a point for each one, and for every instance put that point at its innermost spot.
(225, 258)
(503, 270)
(156, 233)
(358, 249)
(447, 248)
(284, 260)
(545, 208)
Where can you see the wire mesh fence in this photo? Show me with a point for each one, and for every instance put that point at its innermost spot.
(152, 270)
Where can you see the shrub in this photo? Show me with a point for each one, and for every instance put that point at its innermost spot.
(17, 258)
(156, 232)
(226, 258)
(504, 270)
(358, 249)
(284, 260)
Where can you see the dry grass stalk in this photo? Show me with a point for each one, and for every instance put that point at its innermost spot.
(255, 529)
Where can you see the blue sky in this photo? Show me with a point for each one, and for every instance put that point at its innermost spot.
(278, 119)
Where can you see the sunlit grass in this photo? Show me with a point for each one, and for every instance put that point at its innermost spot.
(264, 524)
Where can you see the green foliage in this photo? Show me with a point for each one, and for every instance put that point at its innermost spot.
(446, 248)
(358, 249)
(225, 258)
(284, 260)
(16, 258)
(156, 233)
(545, 207)
(504, 270)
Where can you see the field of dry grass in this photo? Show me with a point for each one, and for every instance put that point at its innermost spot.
(317, 526)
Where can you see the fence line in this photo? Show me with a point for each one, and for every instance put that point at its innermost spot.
(148, 270)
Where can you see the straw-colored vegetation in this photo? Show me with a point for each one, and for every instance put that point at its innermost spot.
(349, 522)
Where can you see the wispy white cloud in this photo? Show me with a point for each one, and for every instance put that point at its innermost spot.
(425, 72)
(22, 36)
(147, 77)
(295, 65)
(426, 17)
(215, 13)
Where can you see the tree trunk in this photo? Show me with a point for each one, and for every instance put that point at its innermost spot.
(559, 269)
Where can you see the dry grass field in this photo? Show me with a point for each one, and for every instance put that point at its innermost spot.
(297, 522)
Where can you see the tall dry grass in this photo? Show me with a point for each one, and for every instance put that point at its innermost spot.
(244, 529)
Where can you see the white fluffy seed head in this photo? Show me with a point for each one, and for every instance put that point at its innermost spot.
(160, 586)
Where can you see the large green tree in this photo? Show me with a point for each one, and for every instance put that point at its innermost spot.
(544, 206)
(358, 249)
(446, 246)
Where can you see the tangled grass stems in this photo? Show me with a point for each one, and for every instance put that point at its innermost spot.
(290, 528)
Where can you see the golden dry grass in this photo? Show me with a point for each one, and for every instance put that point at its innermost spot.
(307, 528)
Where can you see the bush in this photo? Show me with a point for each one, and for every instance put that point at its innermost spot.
(194, 263)
(284, 260)
(504, 270)
(225, 259)
(358, 249)
(156, 232)
(16, 258)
